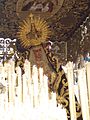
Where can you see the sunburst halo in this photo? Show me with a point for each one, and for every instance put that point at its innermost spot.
(32, 37)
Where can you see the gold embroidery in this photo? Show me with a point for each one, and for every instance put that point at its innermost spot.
(62, 90)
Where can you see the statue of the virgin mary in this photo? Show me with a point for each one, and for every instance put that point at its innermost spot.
(32, 36)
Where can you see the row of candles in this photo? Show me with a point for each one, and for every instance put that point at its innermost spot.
(27, 96)
(83, 90)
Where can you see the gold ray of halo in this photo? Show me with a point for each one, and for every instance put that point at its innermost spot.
(24, 28)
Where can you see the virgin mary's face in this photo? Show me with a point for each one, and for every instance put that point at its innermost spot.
(38, 54)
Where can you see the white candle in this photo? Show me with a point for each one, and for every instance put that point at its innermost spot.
(35, 85)
(6, 68)
(29, 81)
(19, 82)
(71, 90)
(45, 86)
(53, 99)
(31, 92)
(13, 80)
(27, 68)
(83, 93)
(41, 92)
(24, 88)
(1, 73)
(88, 79)
(6, 96)
(9, 83)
